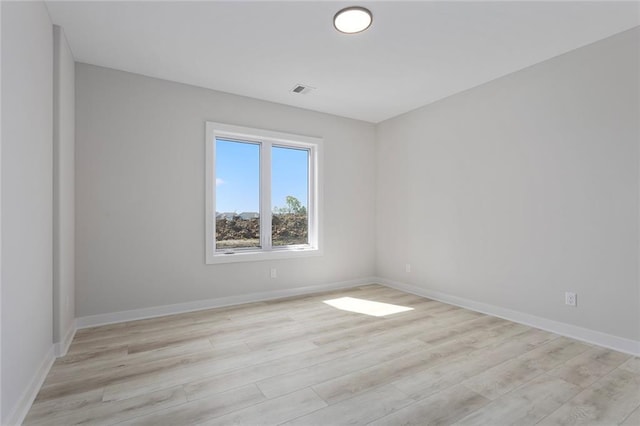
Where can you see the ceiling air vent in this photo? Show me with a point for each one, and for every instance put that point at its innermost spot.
(302, 89)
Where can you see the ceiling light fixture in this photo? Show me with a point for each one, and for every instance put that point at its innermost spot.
(351, 20)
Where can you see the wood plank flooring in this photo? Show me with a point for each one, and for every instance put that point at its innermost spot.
(299, 361)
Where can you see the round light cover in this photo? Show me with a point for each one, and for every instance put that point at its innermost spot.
(351, 20)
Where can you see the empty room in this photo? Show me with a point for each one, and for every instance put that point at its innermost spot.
(320, 213)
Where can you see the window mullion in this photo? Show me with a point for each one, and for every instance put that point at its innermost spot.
(265, 195)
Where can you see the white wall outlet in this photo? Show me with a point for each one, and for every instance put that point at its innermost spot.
(274, 273)
(407, 268)
(571, 299)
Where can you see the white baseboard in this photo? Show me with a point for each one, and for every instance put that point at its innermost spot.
(178, 308)
(575, 332)
(599, 338)
(29, 395)
(62, 347)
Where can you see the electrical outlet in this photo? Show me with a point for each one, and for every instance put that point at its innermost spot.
(571, 299)
(274, 273)
(407, 268)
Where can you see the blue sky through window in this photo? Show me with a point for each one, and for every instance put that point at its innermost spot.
(238, 176)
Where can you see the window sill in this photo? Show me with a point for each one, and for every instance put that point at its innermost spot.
(256, 256)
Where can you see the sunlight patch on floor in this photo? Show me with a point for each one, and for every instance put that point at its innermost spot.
(367, 307)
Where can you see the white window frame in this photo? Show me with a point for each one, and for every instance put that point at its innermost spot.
(267, 139)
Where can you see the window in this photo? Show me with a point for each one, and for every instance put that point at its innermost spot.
(263, 196)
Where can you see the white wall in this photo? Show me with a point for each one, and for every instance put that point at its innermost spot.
(140, 194)
(516, 191)
(63, 187)
(27, 55)
(1, 412)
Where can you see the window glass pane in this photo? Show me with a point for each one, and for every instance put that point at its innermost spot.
(289, 196)
(237, 194)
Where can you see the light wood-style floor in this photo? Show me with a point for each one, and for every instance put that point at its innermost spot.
(300, 361)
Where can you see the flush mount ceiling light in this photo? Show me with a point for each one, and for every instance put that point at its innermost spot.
(351, 20)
